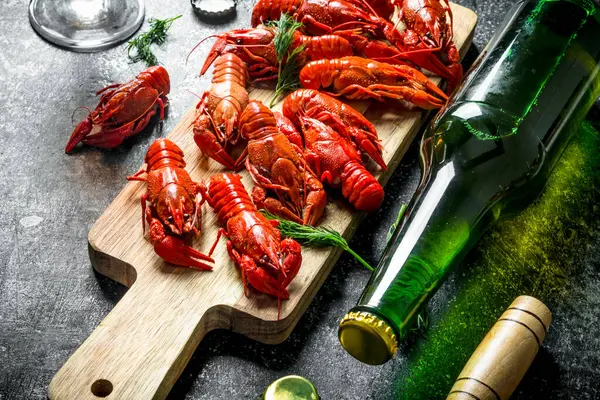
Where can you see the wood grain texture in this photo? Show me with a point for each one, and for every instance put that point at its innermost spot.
(141, 347)
(505, 354)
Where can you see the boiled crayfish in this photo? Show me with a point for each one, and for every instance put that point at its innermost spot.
(284, 185)
(175, 205)
(253, 46)
(256, 47)
(267, 263)
(217, 122)
(344, 119)
(429, 37)
(124, 110)
(359, 78)
(337, 163)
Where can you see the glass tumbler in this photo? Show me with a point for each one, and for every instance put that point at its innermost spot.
(86, 25)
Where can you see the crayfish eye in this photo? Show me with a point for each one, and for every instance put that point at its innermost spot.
(239, 41)
(170, 218)
(186, 215)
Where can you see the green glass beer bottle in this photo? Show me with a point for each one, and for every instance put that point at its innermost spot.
(485, 156)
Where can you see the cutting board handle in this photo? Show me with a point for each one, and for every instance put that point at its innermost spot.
(139, 350)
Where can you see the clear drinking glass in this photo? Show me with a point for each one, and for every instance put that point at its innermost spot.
(86, 25)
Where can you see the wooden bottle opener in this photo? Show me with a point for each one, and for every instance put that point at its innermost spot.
(505, 354)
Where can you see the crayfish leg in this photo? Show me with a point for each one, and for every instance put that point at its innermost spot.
(222, 232)
(207, 142)
(315, 206)
(276, 207)
(261, 280)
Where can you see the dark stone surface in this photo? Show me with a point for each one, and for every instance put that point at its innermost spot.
(50, 298)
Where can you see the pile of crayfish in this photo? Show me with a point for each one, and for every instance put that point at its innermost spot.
(172, 207)
(329, 50)
(340, 49)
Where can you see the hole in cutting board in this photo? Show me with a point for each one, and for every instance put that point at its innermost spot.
(102, 388)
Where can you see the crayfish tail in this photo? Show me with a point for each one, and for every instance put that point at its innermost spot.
(81, 131)
(361, 188)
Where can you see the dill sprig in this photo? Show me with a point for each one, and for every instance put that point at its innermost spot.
(316, 237)
(287, 75)
(156, 35)
(287, 78)
(286, 26)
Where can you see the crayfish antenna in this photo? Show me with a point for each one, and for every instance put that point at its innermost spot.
(195, 94)
(368, 7)
(78, 108)
(347, 26)
(198, 44)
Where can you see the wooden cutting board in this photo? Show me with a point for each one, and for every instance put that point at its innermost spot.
(141, 347)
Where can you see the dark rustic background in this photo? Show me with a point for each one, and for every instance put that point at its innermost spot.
(51, 299)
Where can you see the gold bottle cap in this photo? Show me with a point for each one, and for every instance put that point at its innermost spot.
(367, 338)
(292, 387)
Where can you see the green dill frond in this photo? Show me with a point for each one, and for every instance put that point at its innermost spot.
(288, 75)
(285, 28)
(315, 237)
(156, 35)
(289, 67)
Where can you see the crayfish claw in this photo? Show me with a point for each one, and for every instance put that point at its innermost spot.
(316, 201)
(173, 250)
(262, 281)
(207, 142)
(292, 260)
(79, 133)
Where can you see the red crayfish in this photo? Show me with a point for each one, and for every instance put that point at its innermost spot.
(175, 205)
(277, 166)
(256, 47)
(344, 119)
(267, 263)
(428, 37)
(124, 110)
(253, 46)
(219, 110)
(359, 78)
(337, 163)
